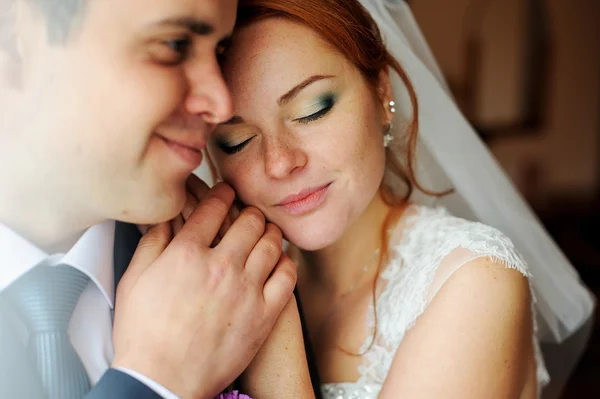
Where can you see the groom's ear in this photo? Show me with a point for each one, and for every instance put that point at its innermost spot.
(23, 39)
(384, 92)
(11, 71)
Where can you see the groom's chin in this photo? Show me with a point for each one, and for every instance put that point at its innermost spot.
(157, 208)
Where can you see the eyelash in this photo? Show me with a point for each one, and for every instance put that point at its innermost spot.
(305, 120)
(175, 46)
(236, 148)
(319, 114)
(181, 46)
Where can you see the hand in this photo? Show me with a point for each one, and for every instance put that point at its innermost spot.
(191, 316)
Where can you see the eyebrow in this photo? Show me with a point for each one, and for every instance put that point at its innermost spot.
(286, 98)
(196, 26)
(289, 96)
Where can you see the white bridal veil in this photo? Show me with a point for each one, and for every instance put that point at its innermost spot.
(451, 155)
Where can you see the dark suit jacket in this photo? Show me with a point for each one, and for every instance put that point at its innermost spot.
(16, 374)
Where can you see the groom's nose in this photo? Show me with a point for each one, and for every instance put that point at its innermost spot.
(208, 95)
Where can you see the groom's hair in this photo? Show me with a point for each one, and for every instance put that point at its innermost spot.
(61, 17)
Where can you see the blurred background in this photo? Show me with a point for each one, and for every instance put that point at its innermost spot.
(526, 73)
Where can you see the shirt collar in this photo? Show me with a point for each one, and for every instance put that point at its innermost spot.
(92, 254)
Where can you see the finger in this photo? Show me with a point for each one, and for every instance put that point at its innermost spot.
(177, 224)
(228, 222)
(232, 215)
(150, 247)
(265, 255)
(280, 285)
(243, 235)
(198, 190)
(197, 187)
(206, 220)
(191, 202)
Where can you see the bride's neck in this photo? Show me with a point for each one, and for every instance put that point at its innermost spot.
(337, 267)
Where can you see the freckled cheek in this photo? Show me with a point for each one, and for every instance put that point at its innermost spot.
(246, 182)
(365, 159)
(357, 148)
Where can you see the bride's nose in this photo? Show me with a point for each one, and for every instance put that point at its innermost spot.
(284, 157)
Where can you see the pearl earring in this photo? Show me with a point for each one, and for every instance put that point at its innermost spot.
(387, 137)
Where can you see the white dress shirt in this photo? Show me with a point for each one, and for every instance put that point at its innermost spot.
(90, 328)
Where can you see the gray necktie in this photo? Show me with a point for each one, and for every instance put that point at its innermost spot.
(45, 298)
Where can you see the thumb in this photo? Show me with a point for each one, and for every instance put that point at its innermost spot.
(151, 246)
(280, 286)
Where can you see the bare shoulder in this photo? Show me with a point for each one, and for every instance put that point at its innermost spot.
(490, 295)
(474, 339)
(486, 279)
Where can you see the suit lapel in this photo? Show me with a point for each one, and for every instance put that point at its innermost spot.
(127, 237)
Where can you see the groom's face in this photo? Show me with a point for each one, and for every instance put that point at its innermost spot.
(118, 111)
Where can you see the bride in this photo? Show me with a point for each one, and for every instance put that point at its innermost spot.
(352, 148)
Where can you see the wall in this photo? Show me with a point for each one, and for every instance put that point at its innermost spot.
(563, 156)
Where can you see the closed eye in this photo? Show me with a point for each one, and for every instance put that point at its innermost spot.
(228, 149)
(327, 104)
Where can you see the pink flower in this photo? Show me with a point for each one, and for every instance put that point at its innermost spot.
(233, 395)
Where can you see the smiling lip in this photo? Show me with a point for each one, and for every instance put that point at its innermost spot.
(190, 152)
(305, 201)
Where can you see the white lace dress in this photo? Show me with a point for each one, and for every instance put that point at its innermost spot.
(433, 246)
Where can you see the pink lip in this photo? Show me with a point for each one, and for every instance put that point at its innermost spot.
(190, 152)
(305, 201)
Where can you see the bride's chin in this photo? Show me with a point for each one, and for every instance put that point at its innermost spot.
(310, 242)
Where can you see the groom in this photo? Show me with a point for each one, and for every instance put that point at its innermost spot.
(104, 109)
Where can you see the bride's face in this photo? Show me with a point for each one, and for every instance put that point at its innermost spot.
(306, 144)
